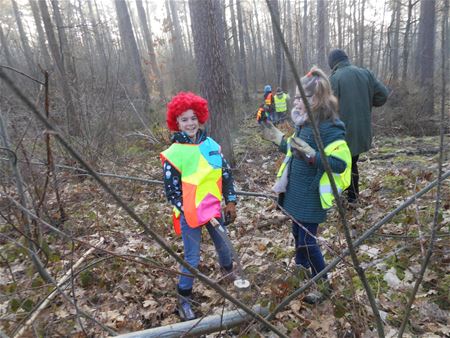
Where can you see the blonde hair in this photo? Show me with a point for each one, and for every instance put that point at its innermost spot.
(324, 104)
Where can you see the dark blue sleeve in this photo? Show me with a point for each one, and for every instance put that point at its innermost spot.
(337, 165)
(172, 185)
(283, 146)
(228, 192)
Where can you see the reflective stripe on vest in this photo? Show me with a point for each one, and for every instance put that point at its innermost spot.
(268, 99)
(280, 103)
(200, 166)
(340, 150)
(287, 158)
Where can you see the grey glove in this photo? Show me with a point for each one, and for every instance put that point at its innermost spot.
(305, 150)
(271, 133)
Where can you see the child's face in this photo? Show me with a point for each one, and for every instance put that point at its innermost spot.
(188, 122)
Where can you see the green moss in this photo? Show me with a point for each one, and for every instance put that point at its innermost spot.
(280, 253)
(386, 150)
(375, 280)
(404, 158)
(395, 183)
(399, 264)
(86, 279)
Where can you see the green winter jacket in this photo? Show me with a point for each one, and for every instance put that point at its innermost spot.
(358, 91)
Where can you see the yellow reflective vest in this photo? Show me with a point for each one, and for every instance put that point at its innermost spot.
(280, 103)
(338, 149)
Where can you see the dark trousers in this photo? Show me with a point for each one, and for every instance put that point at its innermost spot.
(307, 250)
(353, 189)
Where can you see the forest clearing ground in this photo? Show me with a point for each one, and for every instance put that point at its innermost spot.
(128, 296)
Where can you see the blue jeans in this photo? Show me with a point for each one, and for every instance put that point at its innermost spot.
(191, 241)
(307, 251)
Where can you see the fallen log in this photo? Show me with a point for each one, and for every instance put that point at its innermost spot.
(199, 326)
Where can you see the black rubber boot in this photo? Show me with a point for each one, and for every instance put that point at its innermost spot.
(185, 304)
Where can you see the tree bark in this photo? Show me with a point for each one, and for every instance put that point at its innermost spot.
(260, 45)
(129, 43)
(396, 42)
(180, 77)
(214, 78)
(9, 59)
(73, 123)
(41, 35)
(406, 42)
(305, 39)
(279, 54)
(425, 49)
(24, 40)
(321, 35)
(151, 50)
(242, 53)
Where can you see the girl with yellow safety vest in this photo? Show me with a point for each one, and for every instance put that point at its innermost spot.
(305, 194)
(196, 178)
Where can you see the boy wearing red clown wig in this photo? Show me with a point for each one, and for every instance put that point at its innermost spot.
(196, 178)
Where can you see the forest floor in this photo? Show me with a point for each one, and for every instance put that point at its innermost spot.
(126, 293)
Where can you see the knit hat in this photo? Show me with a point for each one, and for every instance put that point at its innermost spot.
(182, 102)
(267, 89)
(279, 90)
(336, 56)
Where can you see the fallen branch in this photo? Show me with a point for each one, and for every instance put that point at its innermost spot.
(197, 327)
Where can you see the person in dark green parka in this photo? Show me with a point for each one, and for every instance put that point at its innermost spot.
(358, 91)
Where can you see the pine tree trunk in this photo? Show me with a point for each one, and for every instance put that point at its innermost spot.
(41, 35)
(24, 40)
(242, 53)
(151, 50)
(73, 122)
(425, 49)
(129, 42)
(321, 38)
(213, 75)
(406, 42)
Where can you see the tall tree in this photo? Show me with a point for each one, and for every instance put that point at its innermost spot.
(425, 53)
(213, 74)
(129, 42)
(234, 36)
(64, 46)
(151, 50)
(362, 30)
(305, 58)
(406, 43)
(179, 52)
(72, 118)
(260, 45)
(41, 34)
(24, 40)
(5, 47)
(243, 57)
(100, 47)
(279, 54)
(321, 33)
(396, 42)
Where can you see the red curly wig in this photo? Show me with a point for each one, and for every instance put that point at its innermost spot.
(184, 101)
